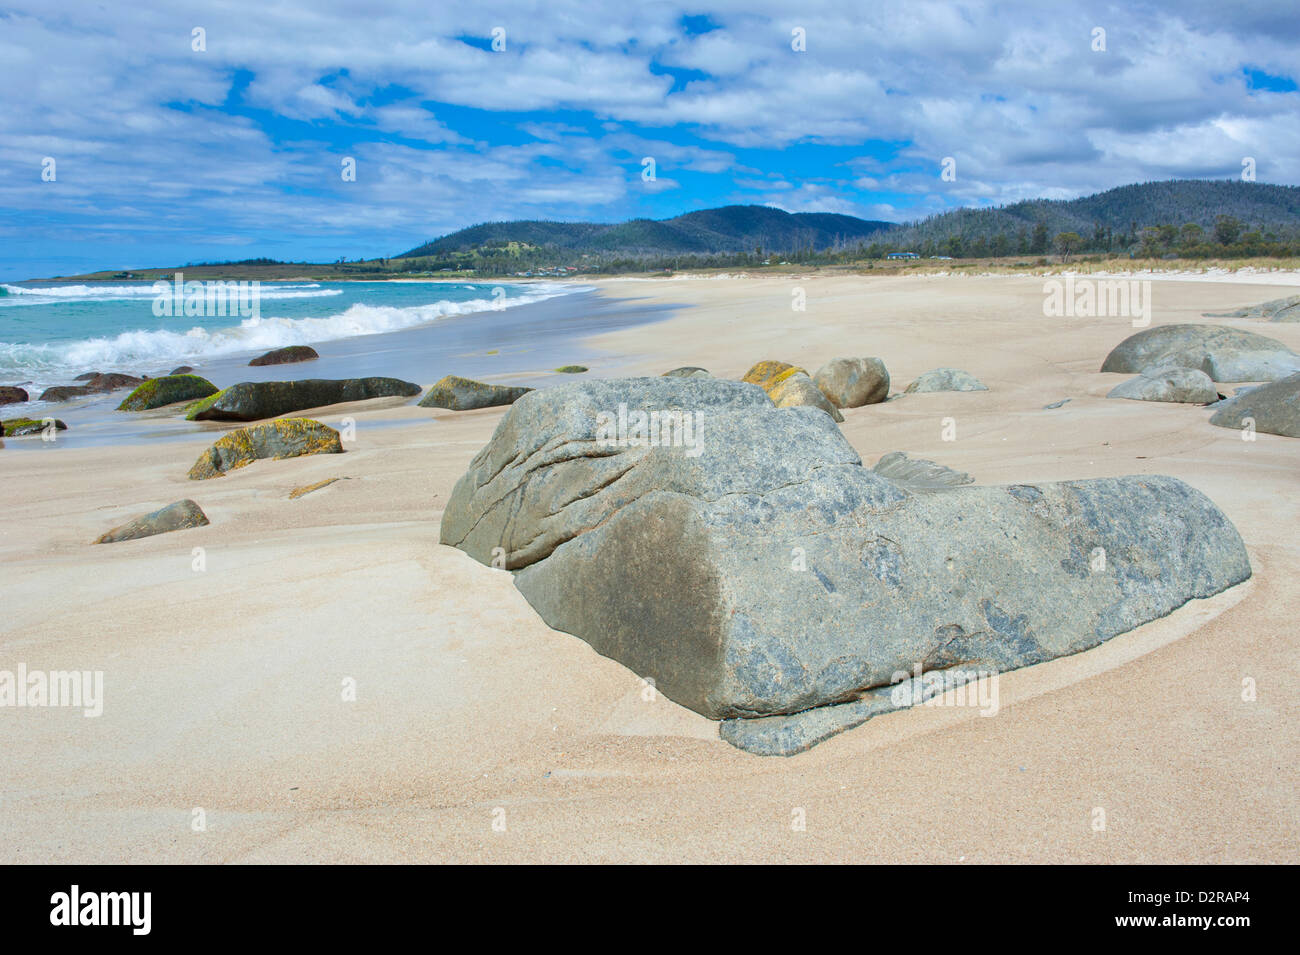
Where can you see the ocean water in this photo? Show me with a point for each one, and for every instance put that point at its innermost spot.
(418, 332)
(51, 332)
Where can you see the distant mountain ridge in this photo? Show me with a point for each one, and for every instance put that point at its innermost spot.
(1120, 213)
(708, 231)
(1123, 210)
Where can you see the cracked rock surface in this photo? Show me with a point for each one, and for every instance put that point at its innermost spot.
(761, 571)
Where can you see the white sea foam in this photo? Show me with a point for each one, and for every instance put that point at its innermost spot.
(24, 295)
(145, 350)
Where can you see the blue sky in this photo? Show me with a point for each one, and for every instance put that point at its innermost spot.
(165, 153)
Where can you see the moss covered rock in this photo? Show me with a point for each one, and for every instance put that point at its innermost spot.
(173, 517)
(286, 356)
(157, 392)
(251, 400)
(464, 394)
(789, 386)
(284, 438)
(571, 369)
(18, 427)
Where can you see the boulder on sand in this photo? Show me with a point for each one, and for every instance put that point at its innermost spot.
(789, 386)
(286, 356)
(253, 400)
(157, 392)
(946, 379)
(284, 438)
(1185, 385)
(1273, 408)
(21, 427)
(687, 371)
(96, 384)
(182, 370)
(173, 517)
(12, 395)
(1223, 353)
(760, 571)
(1277, 310)
(465, 394)
(853, 382)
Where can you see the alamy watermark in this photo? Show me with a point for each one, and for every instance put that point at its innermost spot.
(40, 688)
(1098, 298)
(193, 299)
(653, 429)
(974, 688)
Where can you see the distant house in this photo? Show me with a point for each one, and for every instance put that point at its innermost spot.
(902, 255)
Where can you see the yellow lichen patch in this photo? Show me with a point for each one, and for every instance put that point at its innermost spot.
(766, 373)
(282, 438)
(308, 488)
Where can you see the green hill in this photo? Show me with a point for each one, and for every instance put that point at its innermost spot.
(709, 231)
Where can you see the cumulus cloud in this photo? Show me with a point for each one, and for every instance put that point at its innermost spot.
(244, 139)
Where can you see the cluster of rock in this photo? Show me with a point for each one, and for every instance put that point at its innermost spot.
(764, 576)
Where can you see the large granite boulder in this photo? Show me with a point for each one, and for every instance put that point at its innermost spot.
(253, 400)
(1277, 310)
(789, 386)
(1274, 408)
(465, 394)
(173, 517)
(946, 379)
(168, 390)
(284, 438)
(286, 356)
(853, 382)
(12, 395)
(761, 571)
(1185, 385)
(1223, 353)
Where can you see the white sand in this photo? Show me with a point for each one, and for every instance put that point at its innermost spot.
(223, 687)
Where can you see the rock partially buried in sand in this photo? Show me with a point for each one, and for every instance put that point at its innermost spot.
(12, 395)
(286, 356)
(1273, 408)
(763, 572)
(946, 379)
(1276, 310)
(1223, 353)
(182, 370)
(464, 394)
(253, 400)
(173, 517)
(284, 438)
(1186, 385)
(21, 427)
(308, 488)
(789, 386)
(918, 474)
(157, 392)
(572, 369)
(687, 371)
(853, 382)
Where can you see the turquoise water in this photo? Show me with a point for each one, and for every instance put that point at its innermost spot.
(51, 332)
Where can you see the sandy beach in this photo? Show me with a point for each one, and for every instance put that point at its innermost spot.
(224, 685)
